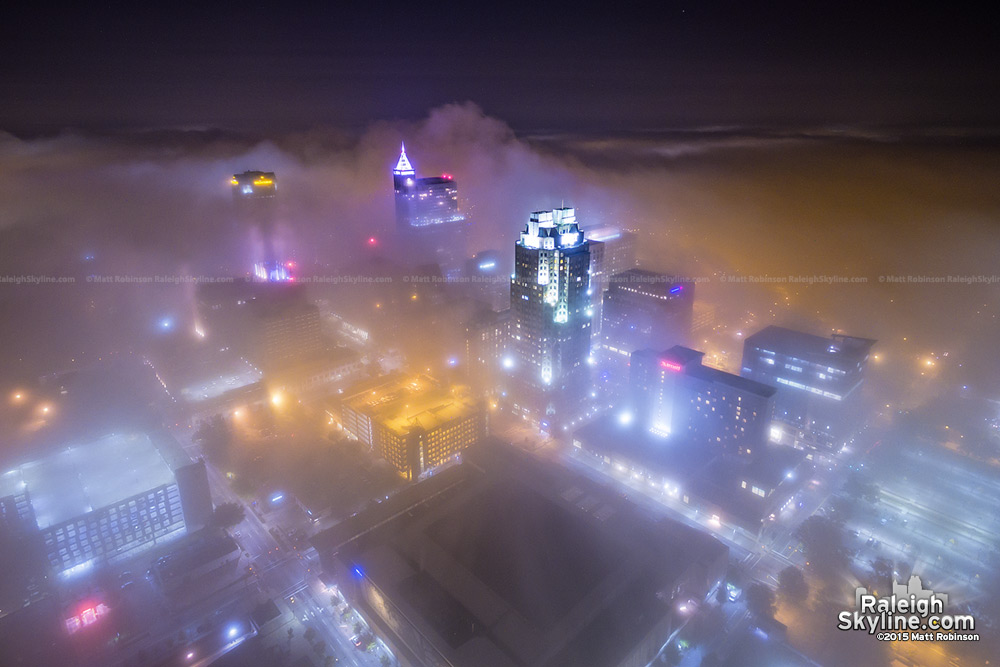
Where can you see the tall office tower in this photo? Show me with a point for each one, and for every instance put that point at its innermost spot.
(254, 193)
(674, 395)
(550, 314)
(430, 229)
(819, 382)
(254, 185)
(645, 309)
(611, 251)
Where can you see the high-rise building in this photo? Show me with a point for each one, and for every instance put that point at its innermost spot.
(643, 309)
(675, 395)
(254, 185)
(611, 251)
(819, 383)
(430, 228)
(254, 193)
(551, 313)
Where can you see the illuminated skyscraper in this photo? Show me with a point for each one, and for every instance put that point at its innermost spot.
(254, 185)
(430, 229)
(254, 193)
(550, 313)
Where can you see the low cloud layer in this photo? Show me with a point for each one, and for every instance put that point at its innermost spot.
(715, 201)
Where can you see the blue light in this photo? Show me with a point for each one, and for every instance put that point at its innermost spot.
(166, 324)
(276, 498)
(452, 361)
(358, 572)
(676, 289)
(487, 265)
(233, 631)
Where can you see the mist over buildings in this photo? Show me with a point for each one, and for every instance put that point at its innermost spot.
(711, 203)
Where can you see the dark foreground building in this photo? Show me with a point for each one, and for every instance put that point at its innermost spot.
(505, 561)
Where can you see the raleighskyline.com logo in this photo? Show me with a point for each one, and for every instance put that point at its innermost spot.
(911, 613)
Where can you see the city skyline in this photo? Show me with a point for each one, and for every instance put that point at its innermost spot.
(573, 337)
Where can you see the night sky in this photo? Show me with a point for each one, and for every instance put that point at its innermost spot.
(560, 68)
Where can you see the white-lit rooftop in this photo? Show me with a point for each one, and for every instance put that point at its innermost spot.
(87, 476)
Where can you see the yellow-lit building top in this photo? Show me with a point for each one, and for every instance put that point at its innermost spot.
(416, 402)
(417, 424)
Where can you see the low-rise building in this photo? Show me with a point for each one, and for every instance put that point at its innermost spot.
(506, 561)
(412, 422)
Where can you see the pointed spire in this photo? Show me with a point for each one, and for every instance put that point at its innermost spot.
(403, 167)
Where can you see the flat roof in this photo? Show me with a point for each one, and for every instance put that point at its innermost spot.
(806, 345)
(690, 360)
(404, 403)
(88, 476)
(730, 380)
(226, 380)
(195, 554)
(504, 560)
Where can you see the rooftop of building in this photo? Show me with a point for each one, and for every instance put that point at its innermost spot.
(217, 377)
(810, 346)
(508, 561)
(319, 362)
(606, 234)
(403, 403)
(694, 468)
(88, 476)
(206, 548)
(253, 173)
(281, 299)
(688, 361)
(436, 180)
(650, 282)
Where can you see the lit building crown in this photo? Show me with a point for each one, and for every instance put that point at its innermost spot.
(552, 229)
(403, 166)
